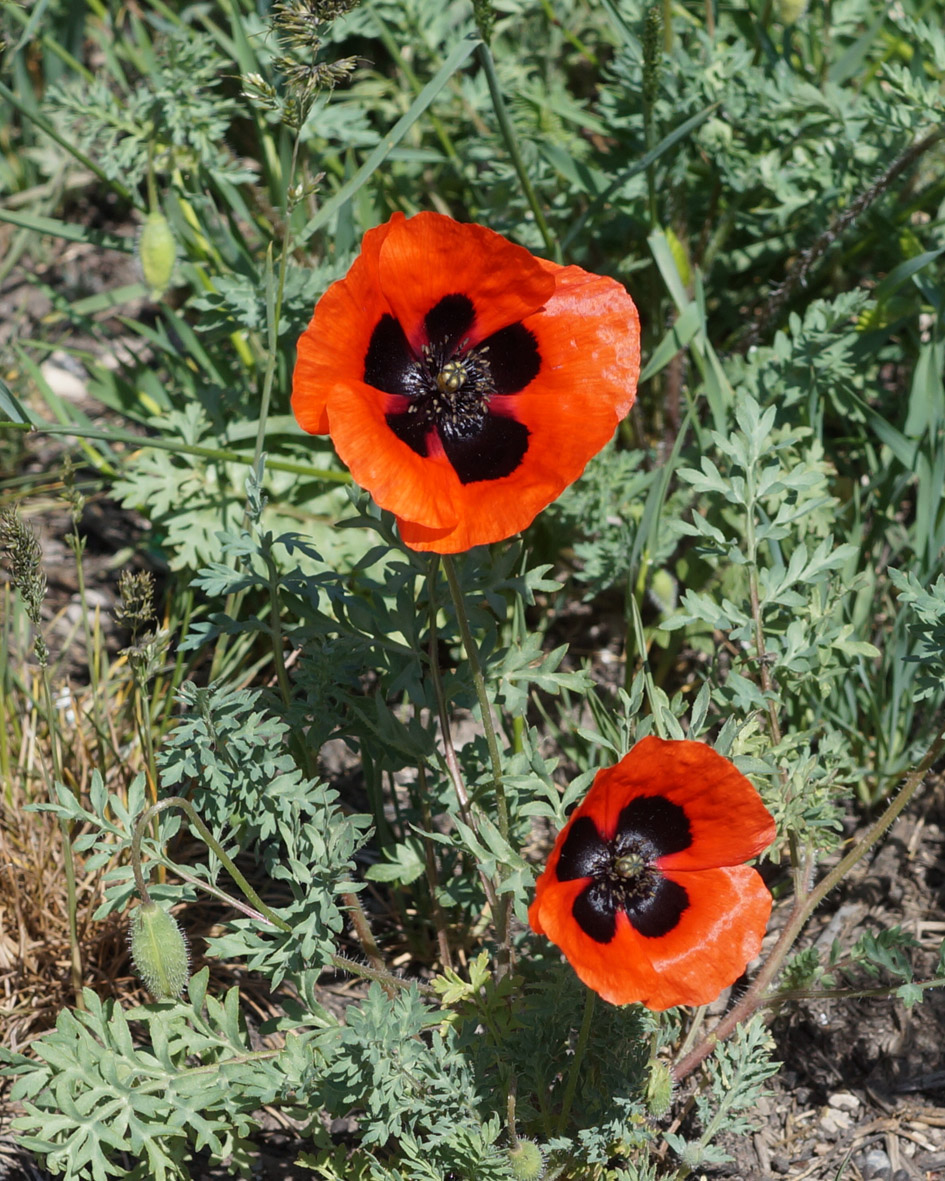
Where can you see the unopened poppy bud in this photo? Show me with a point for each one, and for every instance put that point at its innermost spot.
(527, 1162)
(157, 252)
(790, 11)
(664, 591)
(659, 1090)
(159, 951)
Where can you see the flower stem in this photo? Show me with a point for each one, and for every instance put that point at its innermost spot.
(484, 54)
(500, 901)
(479, 683)
(275, 630)
(275, 290)
(362, 929)
(433, 885)
(578, 1060)
(449, 751)
(212, 843)
(65, 827)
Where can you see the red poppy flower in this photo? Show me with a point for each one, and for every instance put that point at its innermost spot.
(644, 891)
(465, 382)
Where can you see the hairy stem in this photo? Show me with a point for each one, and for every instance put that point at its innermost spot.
(212, 843)
(65, 827)
(577, 1061)
(449, 751)
(484, 54)
(501, 910)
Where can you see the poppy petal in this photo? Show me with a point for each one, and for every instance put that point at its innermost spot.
(428, 256)
(718, 932)
(399, 478)
(588, 336)
(727, 820)
(334, 345)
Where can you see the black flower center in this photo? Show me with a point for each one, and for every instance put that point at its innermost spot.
(443, 398)
(623, 872)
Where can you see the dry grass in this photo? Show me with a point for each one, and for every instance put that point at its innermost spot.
(35, 957)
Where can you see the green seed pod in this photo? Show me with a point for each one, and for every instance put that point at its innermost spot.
(659, 1089)
(527, 1162)
(157, 251)
(159, 951)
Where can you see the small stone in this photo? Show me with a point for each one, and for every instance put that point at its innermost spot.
(833, 1121)
(67, 385)
(844, 1101)
(877, 1166)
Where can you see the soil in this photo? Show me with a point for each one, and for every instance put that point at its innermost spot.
(861, 1092)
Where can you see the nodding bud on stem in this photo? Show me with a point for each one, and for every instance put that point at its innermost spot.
(527, 1161)
(159, 951)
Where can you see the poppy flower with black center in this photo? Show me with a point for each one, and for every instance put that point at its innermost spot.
(465, 382)
(644, 891)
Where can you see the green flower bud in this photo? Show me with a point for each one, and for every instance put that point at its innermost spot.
(663, 591)
(789, 11)
(159, 951)
(527, 1162)
(659, 1089)
(157, 252)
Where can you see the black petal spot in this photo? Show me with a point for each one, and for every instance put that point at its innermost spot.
(655, 823)
(654, 907)
(513, 358)
(595, 911)
(389, 364)
(410, 429)
(658, 913)
(448, 321)
(584, 852)
(494, 449)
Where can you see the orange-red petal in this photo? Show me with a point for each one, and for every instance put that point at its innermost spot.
(333, 346)
(727, 820)
(428, 256)
(693, 817)
(398, 479)
(716, 937)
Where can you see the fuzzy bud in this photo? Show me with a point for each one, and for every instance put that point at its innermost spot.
(659, 1090)
(159, 951)
(790, 11)
(527, 1162)
(157, 253)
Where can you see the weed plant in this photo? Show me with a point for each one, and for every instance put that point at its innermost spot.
(342, 761)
